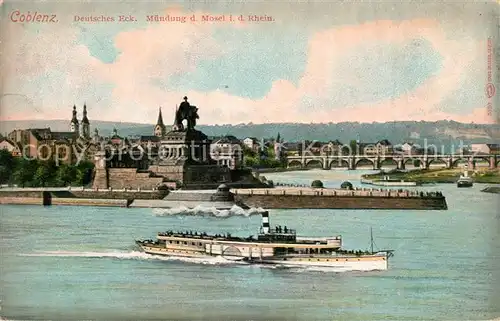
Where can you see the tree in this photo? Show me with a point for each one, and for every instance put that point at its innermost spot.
(346, 185)
(84, 173)
(66, 174)
(43, 174)
(353, 144)
(317, 184)
(6, 166)
(247, 152)
(250, 161)
(24, 171)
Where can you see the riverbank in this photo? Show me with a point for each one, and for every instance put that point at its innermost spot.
(279, 170)
(272, 198)
(434, 176)
(492, 189)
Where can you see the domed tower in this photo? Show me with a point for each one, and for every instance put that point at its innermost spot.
(159, 129)
(85, 124)
(74, 125)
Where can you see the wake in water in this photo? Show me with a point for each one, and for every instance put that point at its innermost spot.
(215, 260)
(211, 211)
(133, 255)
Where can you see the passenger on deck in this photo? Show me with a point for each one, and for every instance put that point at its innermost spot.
(277, 229)
(286, 230)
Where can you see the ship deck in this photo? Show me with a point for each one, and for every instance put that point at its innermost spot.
(276, 239)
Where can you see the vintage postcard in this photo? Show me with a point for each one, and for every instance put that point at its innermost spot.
(249, 160)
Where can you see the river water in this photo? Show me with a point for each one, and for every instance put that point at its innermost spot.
(74, 263)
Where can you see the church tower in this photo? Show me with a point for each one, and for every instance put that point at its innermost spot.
(159, 129)
(74, 126)
(85, 123)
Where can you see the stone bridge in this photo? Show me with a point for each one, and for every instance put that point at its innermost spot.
(377, 161)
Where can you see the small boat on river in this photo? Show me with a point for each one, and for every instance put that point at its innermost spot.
(277, 246)
(465, 180)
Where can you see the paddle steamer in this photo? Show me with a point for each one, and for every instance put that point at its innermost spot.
(278, 246)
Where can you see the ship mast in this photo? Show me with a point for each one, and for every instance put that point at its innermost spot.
(371, 239)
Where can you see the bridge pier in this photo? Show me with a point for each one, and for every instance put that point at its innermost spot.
(376, 163)
(493, 162)
(471, 164)
(424, 164)
(449, 163)
(352, 163)
(401, 164)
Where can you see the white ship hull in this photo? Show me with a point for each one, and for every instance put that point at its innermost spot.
(374, 262)
(352, 264)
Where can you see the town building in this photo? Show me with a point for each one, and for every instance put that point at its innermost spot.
(227, 151)
(311, 148)
(13, 148)
(291, 148)
(406, 149)
(333, 147)
(160, 129)
(382, 147)
(251, 143)
(485, 148)
(61, 147)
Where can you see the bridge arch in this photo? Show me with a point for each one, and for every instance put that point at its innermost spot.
(364, 161)
(482, 161)
(338, 163)
(459, 161)
(314, 163)
(413, 162)
(294, 163)
(436, 161)
(388, 161)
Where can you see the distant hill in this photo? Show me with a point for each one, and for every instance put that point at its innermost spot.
(441, 132)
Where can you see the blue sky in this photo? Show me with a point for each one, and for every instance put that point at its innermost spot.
(316, 62)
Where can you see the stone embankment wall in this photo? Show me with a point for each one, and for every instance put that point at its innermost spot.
(492, 189)
(339, 199)
(84, 193)
(64, 201)
(120, 178)
(21, 200)
(76, 196)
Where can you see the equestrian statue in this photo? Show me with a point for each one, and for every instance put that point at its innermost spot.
(188, 112)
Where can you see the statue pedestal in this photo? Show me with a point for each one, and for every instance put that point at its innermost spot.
(184, 156)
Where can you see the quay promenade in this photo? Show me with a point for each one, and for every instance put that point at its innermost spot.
(356, 192)
(268, 198)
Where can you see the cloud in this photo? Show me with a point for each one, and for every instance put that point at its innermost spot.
(251, 62)
(376, 71)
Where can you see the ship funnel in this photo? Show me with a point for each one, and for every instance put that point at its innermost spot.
(265, 222)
